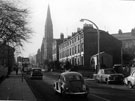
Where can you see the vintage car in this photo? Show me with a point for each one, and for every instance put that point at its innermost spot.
(108, 75)
(71, 83)
(130, 80)
(36, 73)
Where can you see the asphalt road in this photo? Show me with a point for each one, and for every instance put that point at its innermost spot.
(43, 90)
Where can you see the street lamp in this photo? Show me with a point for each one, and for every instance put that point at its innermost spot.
(97, 39)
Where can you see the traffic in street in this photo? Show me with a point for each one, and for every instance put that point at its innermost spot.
(43, 90)
(67, 50)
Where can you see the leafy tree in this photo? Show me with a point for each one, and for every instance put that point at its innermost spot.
(13, 25)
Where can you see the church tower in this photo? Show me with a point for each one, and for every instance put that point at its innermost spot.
(48, 38)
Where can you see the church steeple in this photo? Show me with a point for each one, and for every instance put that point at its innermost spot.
(48, 25)
(48, 36)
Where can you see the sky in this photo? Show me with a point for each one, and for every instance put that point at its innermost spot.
(109, 15)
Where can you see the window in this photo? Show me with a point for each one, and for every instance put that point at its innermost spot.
(78, 37)
(73, 77)
(70, 51)
(78, 48)
(82, 47)
(75, 49)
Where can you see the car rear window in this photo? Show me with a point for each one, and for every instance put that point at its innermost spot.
(73, 77)
(36, 70)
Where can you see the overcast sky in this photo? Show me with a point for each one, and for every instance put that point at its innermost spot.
(109, 15)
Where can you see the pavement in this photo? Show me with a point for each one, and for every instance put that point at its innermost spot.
(13, 88)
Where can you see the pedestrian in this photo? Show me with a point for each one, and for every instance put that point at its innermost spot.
(22, 72)
(16, 70)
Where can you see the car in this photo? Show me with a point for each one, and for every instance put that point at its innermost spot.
(36, 73)
(71, 83)
(130, 80)
(108, 75)
(117, 67)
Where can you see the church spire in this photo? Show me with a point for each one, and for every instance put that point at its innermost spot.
(48, 12)
(48, 36)
(48, 24)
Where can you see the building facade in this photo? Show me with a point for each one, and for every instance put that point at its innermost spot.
(38, 58)
(82, 45)
(128, 46)
(55, 47)
(7, 58)
(72, 49)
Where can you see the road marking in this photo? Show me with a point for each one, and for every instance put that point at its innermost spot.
(100, 97)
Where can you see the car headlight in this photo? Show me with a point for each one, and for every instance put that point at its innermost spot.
(67, 88)
(125, 80)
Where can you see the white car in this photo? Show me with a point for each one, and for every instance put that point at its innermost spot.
(108, 75)
(130, 80)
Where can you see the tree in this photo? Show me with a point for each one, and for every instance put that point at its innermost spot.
(13, 25)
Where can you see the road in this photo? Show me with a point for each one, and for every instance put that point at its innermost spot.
(43, 90)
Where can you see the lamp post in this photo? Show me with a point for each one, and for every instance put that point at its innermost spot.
(98, 39)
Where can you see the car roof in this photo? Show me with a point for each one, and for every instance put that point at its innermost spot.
(36, 68)
(117, 65)
(107, 69)
(70, 73)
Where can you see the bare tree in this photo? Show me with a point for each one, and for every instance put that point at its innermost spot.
(13, 25)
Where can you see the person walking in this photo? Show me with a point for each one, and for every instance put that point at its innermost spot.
(16, 70)
(22, 72)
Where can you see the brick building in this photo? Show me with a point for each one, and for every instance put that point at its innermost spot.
(79, 48)
(55, 47)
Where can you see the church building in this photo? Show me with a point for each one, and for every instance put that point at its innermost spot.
(48, 38)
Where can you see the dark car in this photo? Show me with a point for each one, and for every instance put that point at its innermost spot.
(36, 73)
(71, 83)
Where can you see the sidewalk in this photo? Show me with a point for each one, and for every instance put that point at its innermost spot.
(12, 88)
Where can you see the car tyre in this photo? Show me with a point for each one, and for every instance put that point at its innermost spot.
(107, 82)
(85, 95)
(56, 93)
(97, 81)
(130, 85)
(62, 92)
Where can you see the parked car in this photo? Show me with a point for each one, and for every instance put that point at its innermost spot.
(124, 69)
(71, 83)
(108, 75)
(36, 73)
(130, 80)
